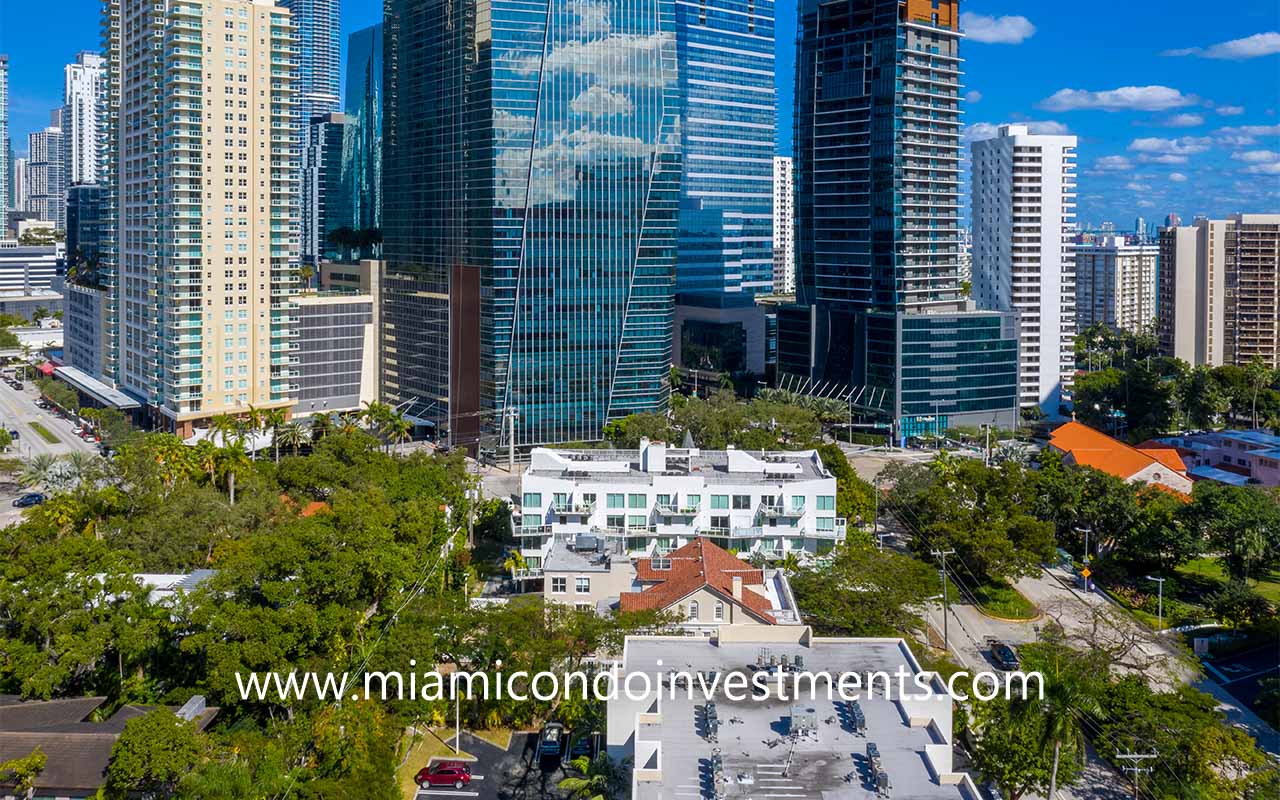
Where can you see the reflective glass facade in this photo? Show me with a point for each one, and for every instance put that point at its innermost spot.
(319, 31)
(362, 142)
(727, 135)
(877, 204)
(531, 268)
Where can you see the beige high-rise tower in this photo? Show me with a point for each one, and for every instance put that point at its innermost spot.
(202, 205)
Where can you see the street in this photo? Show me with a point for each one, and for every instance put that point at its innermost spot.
(17, 412)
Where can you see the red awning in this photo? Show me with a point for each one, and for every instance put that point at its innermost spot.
(47, 368)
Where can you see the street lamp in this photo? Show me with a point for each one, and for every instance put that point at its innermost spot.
(1159, 601)
(1085, 530)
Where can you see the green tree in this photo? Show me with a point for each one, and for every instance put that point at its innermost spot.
(855, 498)
(863, 591)
(1010, 751)
(598, 779)
(153, 754)
(21, 773)
(1241, 522)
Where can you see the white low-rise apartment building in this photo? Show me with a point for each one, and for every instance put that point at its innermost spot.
(659, 498)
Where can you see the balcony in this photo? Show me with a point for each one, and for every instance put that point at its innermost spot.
(779, 512)
(575, 507)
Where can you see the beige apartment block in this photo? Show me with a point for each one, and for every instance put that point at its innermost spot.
(204, 217)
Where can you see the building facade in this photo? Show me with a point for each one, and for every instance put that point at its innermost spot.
(784, 226)
(660, 498)
(27, 267)
(877, 214)
(203, 209)
(81, 120)
(337, 358)
(362, 144)
(318, 27)
(84, 323)
(85, 222)
(6, 149)
(1219, 299)
(727, 136)
(324, 206)
(1023, 207)
(19, 185)
(530, 271)
(1115, 284)
(46, 189)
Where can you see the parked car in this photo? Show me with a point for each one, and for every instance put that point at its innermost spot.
(583, 744)
(42, 403)
(551, 740)
(1004, 656)
(14, 435)
(444, 773)
(29, 499)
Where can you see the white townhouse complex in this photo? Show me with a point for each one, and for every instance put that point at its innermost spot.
(659, 498)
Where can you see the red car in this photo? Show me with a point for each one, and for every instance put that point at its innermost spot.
(445, 773)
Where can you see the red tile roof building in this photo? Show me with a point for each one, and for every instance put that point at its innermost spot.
(1151, 463)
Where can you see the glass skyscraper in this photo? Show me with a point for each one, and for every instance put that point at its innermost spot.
(319, 24)
(728, 137)
(362, 145)
(877, 215)
(532, 179)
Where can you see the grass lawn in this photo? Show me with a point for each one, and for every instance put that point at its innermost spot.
(45, 433)
(1211, 569)
(997, 599)
(421, 748)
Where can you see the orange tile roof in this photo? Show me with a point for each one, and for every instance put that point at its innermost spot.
(1090, 448)
(1167, 454)
(310, 509)
(699, 564)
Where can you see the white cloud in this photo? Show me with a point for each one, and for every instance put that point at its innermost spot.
(593, 16)
(1138, 187)
(619, 60)
(1126, 98)
(1229, 111)
(1244, 135)
(1177, 177)
(1165, 158)
(598, 101)
(996, 30)
(1182, 121)
(1259, 44)
(1113, 164)
(1264, 169)
(1182, 146)
(972, 96)
(989, 130)
(1146, 204)
(1257, 156)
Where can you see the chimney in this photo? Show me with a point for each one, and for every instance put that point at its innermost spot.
(737, 588)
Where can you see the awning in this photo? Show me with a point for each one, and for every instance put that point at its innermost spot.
(103, 393)
(47, 368)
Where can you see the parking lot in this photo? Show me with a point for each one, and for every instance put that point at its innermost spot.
(512, 774)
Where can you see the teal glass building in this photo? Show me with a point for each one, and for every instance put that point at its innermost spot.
(362, 137)
(531, 191)
(877, 217)
(728, 138)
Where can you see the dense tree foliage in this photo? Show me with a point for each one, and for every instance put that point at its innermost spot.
(863, 591)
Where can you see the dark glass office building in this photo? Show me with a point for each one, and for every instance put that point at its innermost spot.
(362, 145)
(531, 190)
(728, 139)
(877, 214)
(325, 206)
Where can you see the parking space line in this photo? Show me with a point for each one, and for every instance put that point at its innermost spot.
(446, 793)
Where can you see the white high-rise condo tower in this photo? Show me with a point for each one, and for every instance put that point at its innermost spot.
(784, 226)
(1023, 210)
(81, 119)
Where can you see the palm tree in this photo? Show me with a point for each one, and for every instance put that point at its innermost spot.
(515, 562)
(275, 419)
(39, 471)
(1065, 700)
(292, 436)
(82, 468)
(791, 563)
(599, 781)
(231, 459)
(205, 455)
(321, 424)
(348, 422)
(398, 429)
(224, 427)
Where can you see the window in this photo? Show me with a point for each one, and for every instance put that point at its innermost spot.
(693, 500)
(532, 499)
(797, 502)
(584, 607)
(589, 499)
(720, 523)
(560, 500)
(582, 585)
(719, 611)
(826, 523)
(615, 501)
(637, 521)
(663, 500)
(693, 609)
(741, 502)
(826, 502)
(719, 501)
(559, 585)
(637, 500)
(615, 521)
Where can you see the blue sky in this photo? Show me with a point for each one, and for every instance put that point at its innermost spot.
(1175, 106)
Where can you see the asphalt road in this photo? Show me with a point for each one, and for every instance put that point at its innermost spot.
(17, 412)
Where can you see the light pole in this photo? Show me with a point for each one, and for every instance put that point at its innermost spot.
(1086, 530)
(1159, 601)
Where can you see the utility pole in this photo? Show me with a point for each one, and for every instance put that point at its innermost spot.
(1137, 758)
(986, 448)
(511, 440)
(946, 601)
(1159, 601)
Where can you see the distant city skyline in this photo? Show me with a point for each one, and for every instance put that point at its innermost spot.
(1178, 117)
